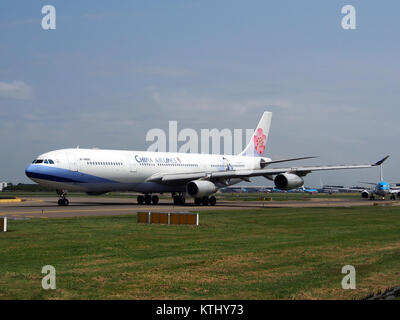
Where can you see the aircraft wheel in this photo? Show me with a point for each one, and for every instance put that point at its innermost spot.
(140, 199)
(205, 201)
(154, 199)
(179, 200)
(197, 201)
(147, 199)
(63, 202)
(212, 201)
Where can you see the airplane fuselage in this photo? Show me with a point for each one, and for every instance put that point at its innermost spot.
(99, 171)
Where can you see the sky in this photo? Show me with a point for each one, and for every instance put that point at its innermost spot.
(113, 70)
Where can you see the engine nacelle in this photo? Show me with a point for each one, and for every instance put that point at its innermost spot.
(200, 188)
(288, 181)
(365, 194)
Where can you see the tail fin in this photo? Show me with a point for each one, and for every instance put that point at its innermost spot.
(258, 142)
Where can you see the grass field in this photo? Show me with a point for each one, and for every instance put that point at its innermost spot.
(257, 254)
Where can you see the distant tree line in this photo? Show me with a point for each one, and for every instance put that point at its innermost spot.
(28, 187)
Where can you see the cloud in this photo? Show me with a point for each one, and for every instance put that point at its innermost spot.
(15, 90)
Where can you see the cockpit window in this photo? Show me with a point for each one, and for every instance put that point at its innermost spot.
(39, 161)
(51, 161)
(45, 161)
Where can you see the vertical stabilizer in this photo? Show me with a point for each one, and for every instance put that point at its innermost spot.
(257, 146)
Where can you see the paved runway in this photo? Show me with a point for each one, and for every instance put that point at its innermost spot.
(102, 206)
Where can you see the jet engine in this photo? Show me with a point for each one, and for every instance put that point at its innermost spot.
(200, 188)
(365, 194)
(288, 181)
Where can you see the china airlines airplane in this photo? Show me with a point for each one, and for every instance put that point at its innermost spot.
(199, 176)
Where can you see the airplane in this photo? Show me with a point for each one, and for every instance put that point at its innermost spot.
(382, 188)
(199, 176)
(309, 190)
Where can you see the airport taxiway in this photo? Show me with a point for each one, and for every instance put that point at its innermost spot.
(46, 207)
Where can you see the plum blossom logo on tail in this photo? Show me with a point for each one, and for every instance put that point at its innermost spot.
(259, 141)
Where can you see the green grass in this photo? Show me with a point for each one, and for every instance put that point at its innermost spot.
(256, 254)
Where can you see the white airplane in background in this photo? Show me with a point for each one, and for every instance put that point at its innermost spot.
(96, 171)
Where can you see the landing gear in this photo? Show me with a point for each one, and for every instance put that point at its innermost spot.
(392, 197)
(147, 199)
(140, 199)
(212, 201)
(178, 200)
(371, 198)
(63, 201)
(197, 201)
(154, 199)
(205, 201)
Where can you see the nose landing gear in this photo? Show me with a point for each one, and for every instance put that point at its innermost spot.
(63, 201)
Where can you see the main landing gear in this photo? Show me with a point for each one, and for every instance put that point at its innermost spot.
(63, 201)
(205, 201)
(179, 199)
(147, 199)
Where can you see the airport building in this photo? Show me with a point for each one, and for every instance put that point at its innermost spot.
(3, 185)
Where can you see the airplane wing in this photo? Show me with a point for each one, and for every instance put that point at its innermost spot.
(245, 174)
(370, 183)
(346, 189)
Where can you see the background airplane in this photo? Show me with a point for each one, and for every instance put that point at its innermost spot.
(382, 188)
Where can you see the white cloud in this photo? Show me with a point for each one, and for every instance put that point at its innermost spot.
(15, 89)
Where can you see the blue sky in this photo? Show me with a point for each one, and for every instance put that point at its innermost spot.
(112, 70)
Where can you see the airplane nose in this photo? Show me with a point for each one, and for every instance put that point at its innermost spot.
(29, 171)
